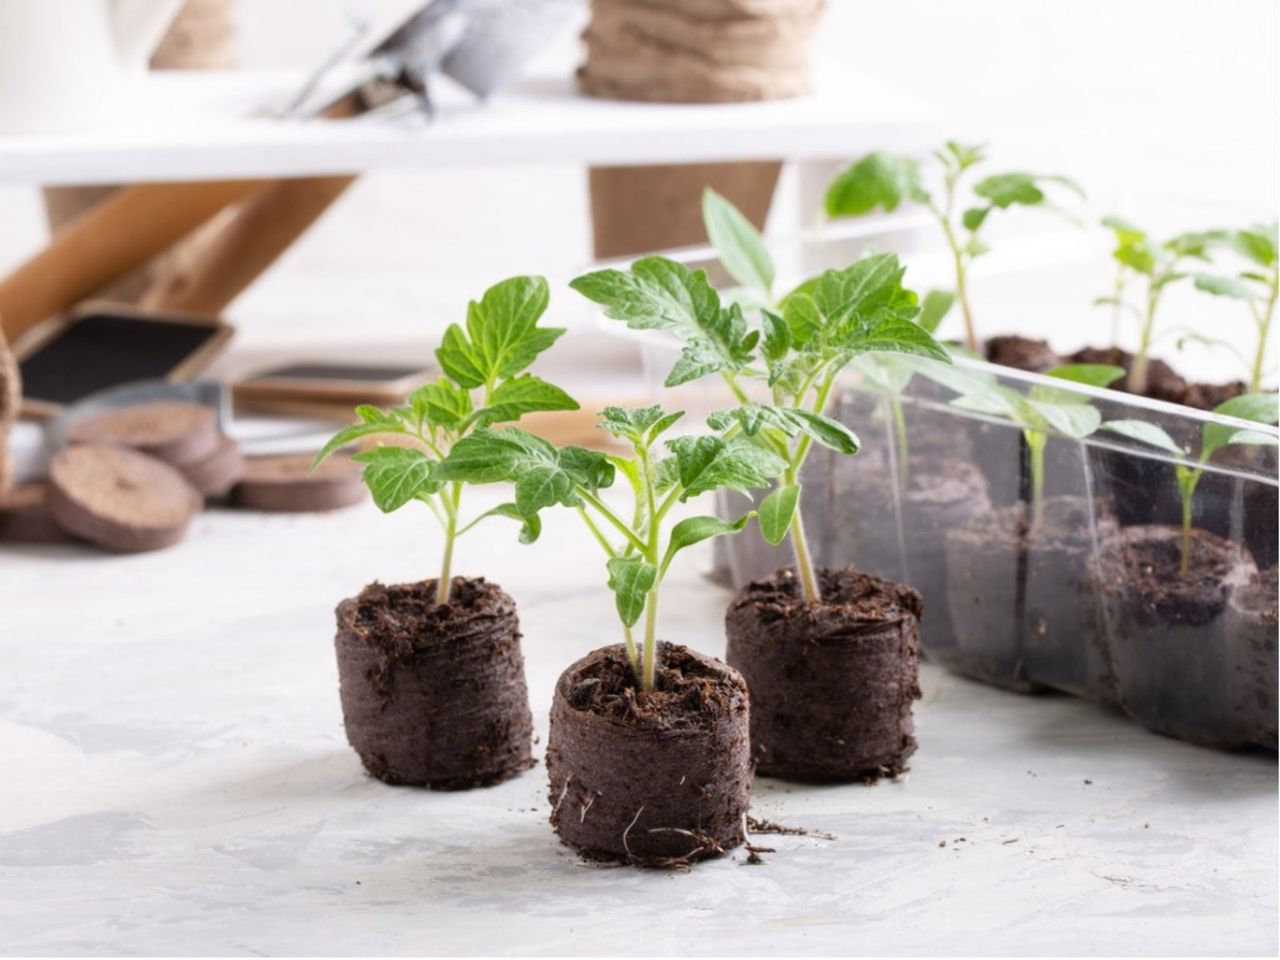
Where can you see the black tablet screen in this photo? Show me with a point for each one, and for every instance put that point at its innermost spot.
(100, 350)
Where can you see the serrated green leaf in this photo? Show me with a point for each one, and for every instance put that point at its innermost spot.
(655, 294)
(637, 424)
(589, 469)
(791, 421)
(696, 529)
(803, 318)
(710, 463)
(776, 511)
(1144, 432)
(513, 398)
(631, 578)
(441, 403)
(876, 181)
(1256, 243)
(396, 475)
(722, 344)
(357, 431)
(962, 155)
(738, 242)
(934, 308)
(502, 337)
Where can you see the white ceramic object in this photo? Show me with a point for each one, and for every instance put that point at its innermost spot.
(67, 64)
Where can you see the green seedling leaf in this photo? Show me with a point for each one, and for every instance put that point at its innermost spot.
(877, 181)
(696, 529)
(1258, 407)
(962, 155)
(934, 309)
(792, 421)
(776, 511)
(723, 344)
(1147, 433)
(1006, 189)
(775, 346)
(349, 435)
(974, 218)
(543, 476)
(530, 527)
(738, 242)
(1257, 244)
(526, 393)
(639, 425)
(396, 475)
(442, 403)
(502, 337)
(631, 579)
(709, 463)
(1226, 287)
(655, 294)
(1075, 420)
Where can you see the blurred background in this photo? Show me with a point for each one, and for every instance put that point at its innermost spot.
(1164, 110)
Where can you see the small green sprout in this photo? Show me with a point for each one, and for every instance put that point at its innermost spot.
(794, 358)
(1161, 264)
(1257, 407)
(1258, 287)
(883, 181)
(484, 383)
(661, 474)
(1044, 410)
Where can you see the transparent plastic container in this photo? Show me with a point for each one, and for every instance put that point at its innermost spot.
(1090, 601)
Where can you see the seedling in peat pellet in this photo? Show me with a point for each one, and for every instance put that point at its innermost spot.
(1258, 407)
(1258, 287)
(484, 383)
(1161, 264)
(823, 325)
(662, 475)
(882, 181)
(1043, 411)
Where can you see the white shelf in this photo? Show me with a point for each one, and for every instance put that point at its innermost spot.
(194, 126)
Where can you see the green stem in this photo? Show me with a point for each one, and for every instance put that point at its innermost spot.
(738, 393)
(957, 256)
(1036, 443)
(1186, 536)
(804, 561)
(1117, 308)
(612, 517)
(595, 532)
(650, 672)
(900, 435)
(1264, 330)
(443, 585)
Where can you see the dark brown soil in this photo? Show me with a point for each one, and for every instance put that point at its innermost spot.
(832, 683)
(1163, 383)
(433, 695)
(1020, 599)
(1165, 629)
(656, 779)
(1021, 353)
(1251, 628)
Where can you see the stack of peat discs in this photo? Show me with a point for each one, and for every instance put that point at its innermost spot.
(698, 51)
(132, 479)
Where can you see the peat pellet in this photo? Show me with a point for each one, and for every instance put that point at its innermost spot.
(832, 682)
(656, 779)
(120, 499)
(284, 483)
(216, 474)
(433, 694)
(25, 516)
(177, 433)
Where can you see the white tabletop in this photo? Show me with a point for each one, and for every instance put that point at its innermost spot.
(211, 125)
(176, 780)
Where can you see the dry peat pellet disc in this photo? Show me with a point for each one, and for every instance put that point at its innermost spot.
(284, 483)
(25, 516)
(216, 474)
(177, 433)
(120, 499)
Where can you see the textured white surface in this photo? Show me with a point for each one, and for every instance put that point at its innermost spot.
(176, 780)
